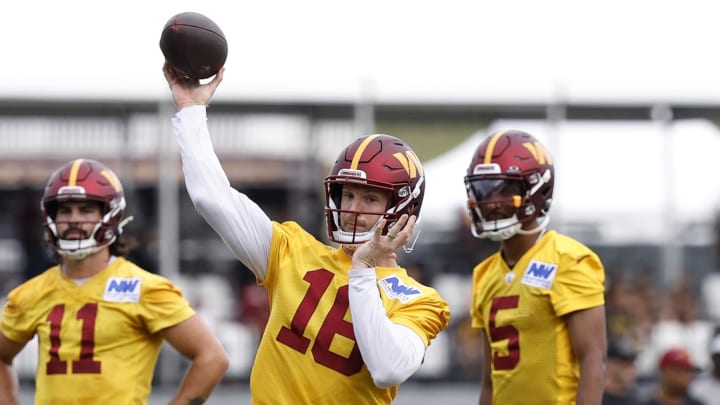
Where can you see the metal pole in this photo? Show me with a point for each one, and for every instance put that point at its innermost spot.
(672, 254)
(169, 366)
(555, 118)
(167, 186)
(364, 111)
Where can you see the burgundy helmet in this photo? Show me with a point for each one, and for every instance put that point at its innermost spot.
(380, 161)
(511, 167)
(84, 180)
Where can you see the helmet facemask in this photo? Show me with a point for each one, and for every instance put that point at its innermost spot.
(104, 233)
(381, 162)
(493, 205)
(510, 173)
(400, 197)
(84, 180)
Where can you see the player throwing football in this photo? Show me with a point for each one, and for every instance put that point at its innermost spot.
(540, 299)
(347, 325)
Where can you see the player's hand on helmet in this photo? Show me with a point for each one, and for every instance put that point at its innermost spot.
(187, 92)
(380, 250)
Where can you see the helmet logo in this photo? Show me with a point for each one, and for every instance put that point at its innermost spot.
(112, 178)
(539, 152)
(410, 162)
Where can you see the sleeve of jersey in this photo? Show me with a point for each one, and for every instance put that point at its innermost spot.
(242, 224)
(15, 324)
(163, 305)
(580, 284)
(476, 315)
(391, 351)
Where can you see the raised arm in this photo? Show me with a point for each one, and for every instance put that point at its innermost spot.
(242, 224)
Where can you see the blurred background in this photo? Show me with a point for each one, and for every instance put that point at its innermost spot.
(625, 95)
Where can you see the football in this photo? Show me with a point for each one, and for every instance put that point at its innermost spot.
(194, 45)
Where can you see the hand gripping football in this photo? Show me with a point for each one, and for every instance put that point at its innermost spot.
(194, 45)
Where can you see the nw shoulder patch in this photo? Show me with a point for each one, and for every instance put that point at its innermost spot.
(395, 289)
(539, 274)
(122, 289)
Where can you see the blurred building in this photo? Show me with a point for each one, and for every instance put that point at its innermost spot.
(278, 153)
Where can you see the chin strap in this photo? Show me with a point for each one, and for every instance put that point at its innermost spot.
(81, 253)
(540, 228)
(350, 249)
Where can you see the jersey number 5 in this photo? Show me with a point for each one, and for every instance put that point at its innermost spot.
(333, 324)
(508, 332)
(86, 364)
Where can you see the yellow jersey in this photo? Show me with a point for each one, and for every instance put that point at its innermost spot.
(308, 353)
(521, 311)
(98, 342)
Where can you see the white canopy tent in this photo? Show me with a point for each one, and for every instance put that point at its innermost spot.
(631, 180)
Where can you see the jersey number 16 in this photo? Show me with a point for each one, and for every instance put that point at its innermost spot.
(333, 324)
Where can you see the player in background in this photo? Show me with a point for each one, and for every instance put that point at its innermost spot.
(347, 325)
(540, 298)
(100, 320)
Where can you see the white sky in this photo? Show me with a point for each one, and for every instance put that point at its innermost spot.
(614, 51)
(391, 50)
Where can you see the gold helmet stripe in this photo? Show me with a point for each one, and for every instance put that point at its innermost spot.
(491, 146)
(360, 150)
(72, 181)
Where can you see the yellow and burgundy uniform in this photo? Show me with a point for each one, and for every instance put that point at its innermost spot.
(308, 354)
(521, 311)
(98, 342)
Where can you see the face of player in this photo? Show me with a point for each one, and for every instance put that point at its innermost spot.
(363, 202)
(497, 198)
(77, 219)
